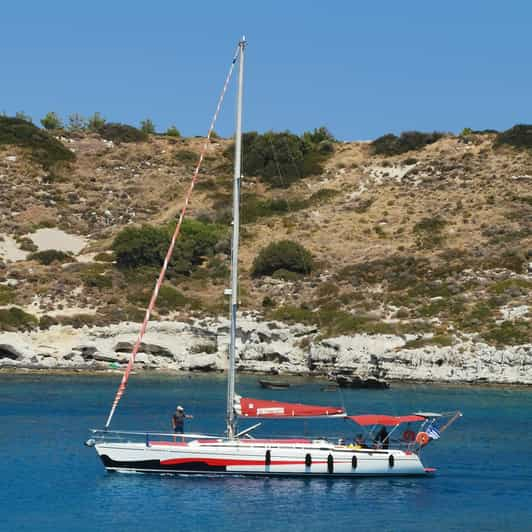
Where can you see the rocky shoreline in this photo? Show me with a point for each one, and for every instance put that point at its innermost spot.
(264, 347)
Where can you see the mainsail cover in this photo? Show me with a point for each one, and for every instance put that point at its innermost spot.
(248, 407)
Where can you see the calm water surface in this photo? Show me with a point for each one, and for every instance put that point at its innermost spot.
(51, 482)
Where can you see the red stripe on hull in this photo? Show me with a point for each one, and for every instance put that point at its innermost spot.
(234, 462)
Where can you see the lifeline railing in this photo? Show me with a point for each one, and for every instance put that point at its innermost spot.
(154, 437)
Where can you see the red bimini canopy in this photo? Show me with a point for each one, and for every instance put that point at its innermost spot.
(247, 407)
(381, 419)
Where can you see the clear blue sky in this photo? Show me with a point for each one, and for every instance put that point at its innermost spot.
(360, 68)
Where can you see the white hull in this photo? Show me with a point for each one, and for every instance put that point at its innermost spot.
(249, 457)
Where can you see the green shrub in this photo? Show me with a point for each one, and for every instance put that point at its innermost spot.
(96, 280)
(45, 322)
(322, 196)
(509, 333)
(519, 136)
(135, 247)
(429, 232)
(409, 140)
(77, 321)
(451, 307)
(26, 244)
(15, 319)
(104, 257)
(45, 149)
(319, 135)
(186, 156)
(140, 246)
(286, 275)
(96, 121)
(168, 299)
(441, 340)
(52, 121)
(121, 133)
(279, 159)
(400, 271)
(7, 295)
(500, 287)
(268, 302)
(50, 255)
(286, 255)
(172, 131)
(217, 269)
(477, 316)
(253, 208)
(333, 322)
(147, 126)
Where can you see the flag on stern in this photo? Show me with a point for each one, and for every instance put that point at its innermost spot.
(432, 432)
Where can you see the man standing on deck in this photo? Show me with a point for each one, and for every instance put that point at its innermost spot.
(178, 419)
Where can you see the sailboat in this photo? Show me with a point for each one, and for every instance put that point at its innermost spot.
(237, 452)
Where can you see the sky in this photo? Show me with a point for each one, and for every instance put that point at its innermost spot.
(360, 68)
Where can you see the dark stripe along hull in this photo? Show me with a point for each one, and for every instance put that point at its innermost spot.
(203, 468)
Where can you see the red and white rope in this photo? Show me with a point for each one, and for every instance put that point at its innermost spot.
(160, 279)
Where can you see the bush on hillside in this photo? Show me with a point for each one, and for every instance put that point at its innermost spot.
(186, 156)
(409, 140)
(169, 299)
(172, 131)
(320, 134)
(15, 319)
(509, 333)
(45, 149)
(121, 133)
(282, 255)
(96, 121)
(48, 256)
(519, 136)
(280, 159)
(7, 295)
(147, 126)
(135, 247)
(51, 121)
(429, 232)
(400, 271)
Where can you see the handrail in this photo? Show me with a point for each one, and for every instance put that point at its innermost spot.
(148, 435)
(103, 432)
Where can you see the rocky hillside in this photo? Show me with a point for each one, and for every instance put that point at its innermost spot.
(433, 241)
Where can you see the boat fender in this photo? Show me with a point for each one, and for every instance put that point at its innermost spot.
(422, 438)
(409, 435)
(308, 460)
(268, 458)
(391, 460)
(354, 462)
(330, 464)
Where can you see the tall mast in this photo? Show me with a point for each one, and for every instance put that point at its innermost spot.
(234, 246)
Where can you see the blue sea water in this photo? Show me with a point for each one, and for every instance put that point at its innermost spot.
(51, 482)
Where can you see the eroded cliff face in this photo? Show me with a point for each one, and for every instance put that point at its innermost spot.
(265, 347)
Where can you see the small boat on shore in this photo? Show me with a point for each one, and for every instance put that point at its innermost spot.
(274, 385)
(347, 381)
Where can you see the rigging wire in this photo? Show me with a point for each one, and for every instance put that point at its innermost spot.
(160, 279)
